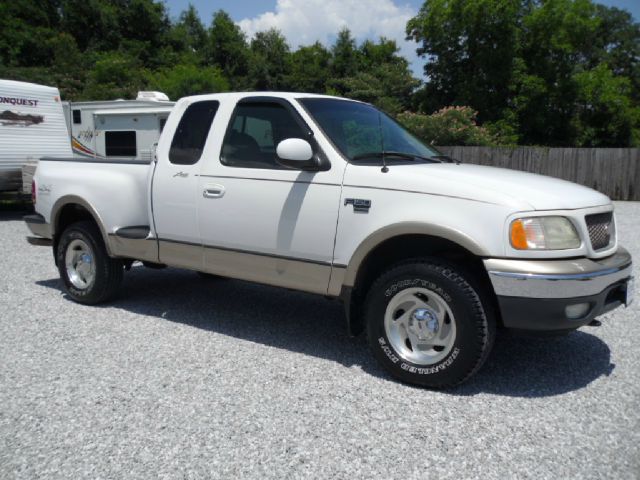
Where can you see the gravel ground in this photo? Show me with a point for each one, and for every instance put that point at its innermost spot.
(189, 378)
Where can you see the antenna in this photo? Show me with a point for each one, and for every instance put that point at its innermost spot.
(385, 169)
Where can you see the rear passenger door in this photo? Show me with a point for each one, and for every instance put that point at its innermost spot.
(175, 190)
(261, 221)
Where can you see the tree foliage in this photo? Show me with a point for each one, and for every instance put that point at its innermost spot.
(188, 79)
(94, 49)
(227, 48)
(269, 61)
(559, 72)
(550, 72)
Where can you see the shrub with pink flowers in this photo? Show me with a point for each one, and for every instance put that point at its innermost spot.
(456, 126)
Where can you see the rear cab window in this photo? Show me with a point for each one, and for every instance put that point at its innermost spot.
(192, 132)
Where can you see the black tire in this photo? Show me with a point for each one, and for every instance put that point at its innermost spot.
(474, 322)
(108, 271)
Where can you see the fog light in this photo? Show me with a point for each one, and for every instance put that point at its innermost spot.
(576, 311)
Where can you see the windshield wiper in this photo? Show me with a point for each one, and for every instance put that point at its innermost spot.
(388, 153)
(446, 158)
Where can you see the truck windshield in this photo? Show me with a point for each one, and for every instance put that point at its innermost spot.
(363, 133)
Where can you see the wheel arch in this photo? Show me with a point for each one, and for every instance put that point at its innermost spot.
(396, 243)
(70, 209)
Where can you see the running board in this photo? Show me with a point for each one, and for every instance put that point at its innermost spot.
(139, 232)
(40, 242)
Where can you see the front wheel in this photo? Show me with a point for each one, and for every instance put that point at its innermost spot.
(90, 276)
(427, 325)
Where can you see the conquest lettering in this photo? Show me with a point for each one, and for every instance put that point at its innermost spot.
(19, 101)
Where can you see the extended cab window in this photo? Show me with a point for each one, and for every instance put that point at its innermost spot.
(191, 134)
(254, 133)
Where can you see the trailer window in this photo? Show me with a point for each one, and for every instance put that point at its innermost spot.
(188, 141)
(77, 116)
(120, 144)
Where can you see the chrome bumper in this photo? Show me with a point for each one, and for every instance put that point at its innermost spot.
(557, 278)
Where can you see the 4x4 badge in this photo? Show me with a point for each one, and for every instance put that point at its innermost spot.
(359, 204)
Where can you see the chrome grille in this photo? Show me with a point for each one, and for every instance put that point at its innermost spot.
(601, 229)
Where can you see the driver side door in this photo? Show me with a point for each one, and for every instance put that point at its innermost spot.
(263, 222)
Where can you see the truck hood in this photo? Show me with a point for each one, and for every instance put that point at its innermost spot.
(521, 190)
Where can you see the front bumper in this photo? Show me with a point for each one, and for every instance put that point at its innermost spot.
(535, 294)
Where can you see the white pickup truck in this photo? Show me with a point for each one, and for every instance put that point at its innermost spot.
(331, 196)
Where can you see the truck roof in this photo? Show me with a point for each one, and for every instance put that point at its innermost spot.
(240, 95)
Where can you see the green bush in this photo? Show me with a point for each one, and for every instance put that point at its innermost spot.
(183, 80)
(456, 126)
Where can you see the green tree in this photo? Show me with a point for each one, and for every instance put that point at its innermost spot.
(346, 58)
(470, 46)
(309, 69)
(113, 75)
(555, 39)
(227, 48)
(346, 61)
(529, 66)
(605, 115)
(617, 43)
(93, 24)
(25, 28)
(269, 68)
(69, 66)
(188, 36)
(383, 77)
(183, 80)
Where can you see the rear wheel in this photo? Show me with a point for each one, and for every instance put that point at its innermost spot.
(427, 325)
(89, 275)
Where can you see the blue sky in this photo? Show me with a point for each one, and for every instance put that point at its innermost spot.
(301, 23)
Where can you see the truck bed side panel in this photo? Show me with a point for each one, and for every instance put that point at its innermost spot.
(117, 192)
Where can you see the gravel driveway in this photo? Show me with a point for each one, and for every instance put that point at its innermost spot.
(189, 378)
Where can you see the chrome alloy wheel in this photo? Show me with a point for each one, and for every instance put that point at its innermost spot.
(80, 265)
(420, 326)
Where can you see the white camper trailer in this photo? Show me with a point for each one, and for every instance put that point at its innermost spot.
(118, 129)
(32, 125)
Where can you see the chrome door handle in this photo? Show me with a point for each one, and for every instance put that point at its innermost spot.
(213, 191)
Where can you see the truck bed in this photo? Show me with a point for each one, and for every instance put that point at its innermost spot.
(117, 190)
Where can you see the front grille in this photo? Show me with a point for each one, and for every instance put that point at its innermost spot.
(601, 229)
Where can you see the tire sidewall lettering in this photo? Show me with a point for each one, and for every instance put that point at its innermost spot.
(446, 363)
(416, 282)
(390, 353)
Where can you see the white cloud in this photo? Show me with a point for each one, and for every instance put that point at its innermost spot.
(303, 22)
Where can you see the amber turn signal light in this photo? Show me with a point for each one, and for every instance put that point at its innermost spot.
(518, 236)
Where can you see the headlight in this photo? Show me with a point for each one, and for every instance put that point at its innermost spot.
(543, 233)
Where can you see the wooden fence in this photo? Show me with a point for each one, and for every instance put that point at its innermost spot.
(612, 171)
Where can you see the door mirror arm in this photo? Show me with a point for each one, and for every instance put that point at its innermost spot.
(312, 165)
